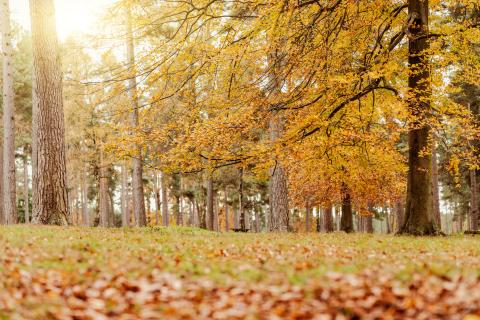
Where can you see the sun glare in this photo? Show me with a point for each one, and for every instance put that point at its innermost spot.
(73, 16)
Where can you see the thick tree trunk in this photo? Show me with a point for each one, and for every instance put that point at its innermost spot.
(308, 217)
(163, 185)
(435, 190)
(419, 215)
(26, 205)
(346, 221)
(124, 197)
(50, 200)
(9, 183)
(328, 219)
(473, 201)
(137, 175)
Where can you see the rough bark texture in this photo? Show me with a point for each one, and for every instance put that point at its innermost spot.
(473, 201)
(328, 221)
(50, 200)
(346, 221)
(419, 216)
(435, 190)
(26, 205)
(279, 220)
(163, 184)
(137, 175)
(9, 183)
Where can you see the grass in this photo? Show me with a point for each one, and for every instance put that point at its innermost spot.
(82, 256)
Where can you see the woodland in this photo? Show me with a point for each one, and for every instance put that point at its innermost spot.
(240, 159)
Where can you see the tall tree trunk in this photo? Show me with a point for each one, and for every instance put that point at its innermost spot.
(210, 199)
(137, 176)
(241, 209)
(50, 201)
(124, 196)
(419, 215)
(85, 213)
(346, 222)
(369, 224)
(328, 219)
(26, 206)
(103, 197)
(435, 190)
(235, 218)
(279, 220)
(473, 201)
(9, 184)
(399, 209)
(387, 220)
(308, 217)
(156, 192)
(163, 185)
(227, 217)
(180, 204)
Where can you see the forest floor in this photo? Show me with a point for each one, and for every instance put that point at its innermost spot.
(183, 273)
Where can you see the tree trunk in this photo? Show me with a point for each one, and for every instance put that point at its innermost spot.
(26, 205)
(227, 218)
(85, 213)
(235, 218)
(346, 221)
(369, 224)
(399, 213)
(242, 222)
(419, 215)
(163, 185)
(156, 192)
(124, 197)
(279, 220)
(435, 190)
(9, 184)
(103, 197)
(308, 217)
(473, 201)
(180, 204)
(137, 176)
(50, 200)
(328, 219)
(210, 199)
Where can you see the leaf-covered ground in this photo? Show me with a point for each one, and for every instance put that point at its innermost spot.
(79, 273)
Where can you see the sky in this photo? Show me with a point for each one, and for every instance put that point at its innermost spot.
(73, 16)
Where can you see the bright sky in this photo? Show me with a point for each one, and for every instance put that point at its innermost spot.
(73, 16)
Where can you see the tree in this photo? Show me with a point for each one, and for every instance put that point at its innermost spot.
(50, 197)
(137, 175)
(9, 183)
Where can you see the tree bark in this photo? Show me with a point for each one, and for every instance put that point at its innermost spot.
(9, 183)
(435, 190)
(308, 217)
(26, 205)
(346, 221)
(156, 192)
(419, 215)
(210, 211)
(227, 218)
(473, 201)
(163, 185)
(137, 175)
(50, 201)
(328, 219)
(124, 197)
(103, 197)
(242, 222)
(399, 210)
(85, 212)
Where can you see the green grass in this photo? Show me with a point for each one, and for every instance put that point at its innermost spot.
(83, 255)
